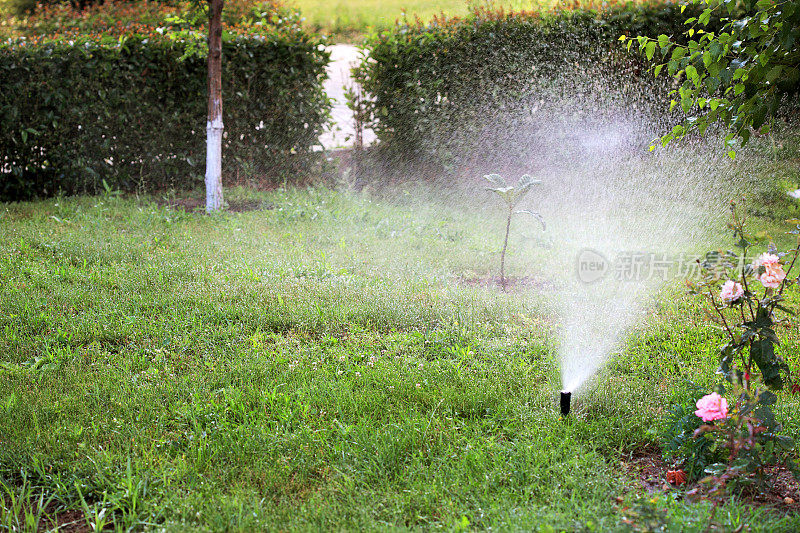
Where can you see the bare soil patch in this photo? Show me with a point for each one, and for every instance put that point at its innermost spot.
(649, 468)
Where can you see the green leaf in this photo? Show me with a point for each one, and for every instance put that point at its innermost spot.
(537, 216)
(692, 74)
(496, 179)
(767, 398)
(763, 318)
(773, 73)
(726, 355)
(672, 67)
(762, 352)
(686, 104)
(704, 17)
(650, 50)
(526, 181)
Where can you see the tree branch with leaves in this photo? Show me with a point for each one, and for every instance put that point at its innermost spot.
(738, 78)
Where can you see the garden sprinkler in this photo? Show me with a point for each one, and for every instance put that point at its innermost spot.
(566, 397)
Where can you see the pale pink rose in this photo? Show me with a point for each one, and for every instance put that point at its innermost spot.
(731, 291)
(772, 276)
(712, 407)
(766, 259)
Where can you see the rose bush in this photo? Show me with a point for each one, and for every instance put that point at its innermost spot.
(746, 438)
(749, 305)
(734, 445)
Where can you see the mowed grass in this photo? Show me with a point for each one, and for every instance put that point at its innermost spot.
(316, 365)
(349, 20)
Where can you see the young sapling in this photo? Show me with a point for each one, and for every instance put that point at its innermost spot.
(512, 195)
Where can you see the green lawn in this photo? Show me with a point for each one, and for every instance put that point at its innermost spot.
(350, 19)
(316, 365)
(354, 17)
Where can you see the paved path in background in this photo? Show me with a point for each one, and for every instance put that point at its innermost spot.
(343, 58)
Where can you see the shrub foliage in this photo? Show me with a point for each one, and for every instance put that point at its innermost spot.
(740, 76)
(477, 90)
(133, 112)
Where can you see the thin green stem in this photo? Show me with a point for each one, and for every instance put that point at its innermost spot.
(721, 315)
(503, 253)
(739, 225)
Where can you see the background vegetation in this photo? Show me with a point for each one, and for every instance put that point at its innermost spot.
(130, 111)
(342, 21)
(351, 20)
(480, 91)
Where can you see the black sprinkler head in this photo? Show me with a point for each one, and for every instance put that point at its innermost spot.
(566, 397)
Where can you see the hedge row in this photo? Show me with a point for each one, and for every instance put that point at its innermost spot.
(495, 87)
(133, 113)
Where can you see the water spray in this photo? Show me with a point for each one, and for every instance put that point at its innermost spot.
(566, 398)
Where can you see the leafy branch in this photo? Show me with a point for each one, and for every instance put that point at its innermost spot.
(739, 77)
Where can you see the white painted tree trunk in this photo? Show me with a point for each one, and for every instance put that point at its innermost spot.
(214, 131)
(214, 127)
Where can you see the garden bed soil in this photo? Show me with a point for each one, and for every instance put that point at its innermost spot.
(64, 521)
(72, 521)
(650, 469)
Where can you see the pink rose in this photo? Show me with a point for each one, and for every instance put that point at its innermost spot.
(773, 271)
(773, 277)
(731, 291)
(766, 259)
(712, 407)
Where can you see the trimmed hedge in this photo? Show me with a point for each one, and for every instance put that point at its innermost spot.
(27, 7)
(133, 113)
(498, 89)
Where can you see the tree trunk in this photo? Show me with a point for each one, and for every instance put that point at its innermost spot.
(214, 125)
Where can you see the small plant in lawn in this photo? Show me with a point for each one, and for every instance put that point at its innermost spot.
(511, 195)
(734, 447)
